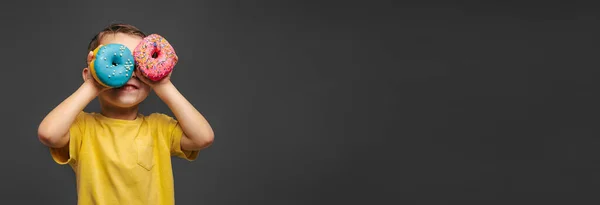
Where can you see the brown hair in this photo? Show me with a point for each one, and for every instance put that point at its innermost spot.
(112, 29)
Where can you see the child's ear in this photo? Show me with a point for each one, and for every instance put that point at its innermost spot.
(85, 74)
(86, 71)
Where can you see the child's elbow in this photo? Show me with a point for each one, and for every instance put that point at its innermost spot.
(45, 139)
(205, 141)
(49, 140)
(210, 139)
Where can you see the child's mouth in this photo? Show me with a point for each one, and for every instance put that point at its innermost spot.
(128, 88)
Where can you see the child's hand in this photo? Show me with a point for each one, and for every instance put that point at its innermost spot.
(151, 83)
(90, 79)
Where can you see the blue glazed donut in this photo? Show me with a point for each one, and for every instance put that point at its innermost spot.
(113, 65)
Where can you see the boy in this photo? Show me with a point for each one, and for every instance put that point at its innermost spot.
(120, 156)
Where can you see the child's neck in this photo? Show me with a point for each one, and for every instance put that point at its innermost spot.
(120, 113)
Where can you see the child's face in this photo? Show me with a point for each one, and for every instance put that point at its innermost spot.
(135, 91)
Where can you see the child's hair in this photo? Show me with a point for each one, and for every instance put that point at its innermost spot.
(113, 29)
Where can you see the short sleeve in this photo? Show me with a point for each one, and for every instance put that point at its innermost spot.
(68, 154)
(171, 131)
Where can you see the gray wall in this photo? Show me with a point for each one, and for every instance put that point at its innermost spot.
(318, 102)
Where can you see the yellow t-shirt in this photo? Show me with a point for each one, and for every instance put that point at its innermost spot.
(123, 161)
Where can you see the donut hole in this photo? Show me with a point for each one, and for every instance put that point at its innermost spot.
(155, 54)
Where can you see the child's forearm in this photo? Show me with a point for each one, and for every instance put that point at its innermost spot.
(195, 127)
(54, 129)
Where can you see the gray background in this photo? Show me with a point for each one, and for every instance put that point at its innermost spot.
(323, 102)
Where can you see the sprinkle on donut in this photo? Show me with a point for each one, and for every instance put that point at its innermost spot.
(112, 70)
(155, 57)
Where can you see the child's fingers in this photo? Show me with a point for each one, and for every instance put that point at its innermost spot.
(137, 74)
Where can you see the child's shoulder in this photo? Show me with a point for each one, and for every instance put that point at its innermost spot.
(153, 117)
(157, 116)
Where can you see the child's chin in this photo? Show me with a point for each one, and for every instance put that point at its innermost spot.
(127, 101)
(123, 100)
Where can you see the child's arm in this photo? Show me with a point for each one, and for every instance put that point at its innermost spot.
(54, 129)
(197, 132)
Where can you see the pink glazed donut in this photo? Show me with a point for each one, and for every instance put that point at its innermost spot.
(155, 57)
